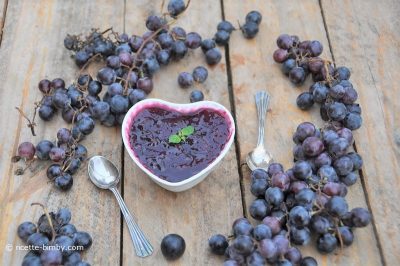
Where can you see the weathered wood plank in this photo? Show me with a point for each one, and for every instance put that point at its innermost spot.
(211, 206)
(32, 49)
(253, 69)
(3, 9)
(365, 36)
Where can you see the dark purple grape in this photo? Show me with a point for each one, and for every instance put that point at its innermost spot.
(350, 95)
(315, 65)
(90, 100)
(196, 96)
(346, 235)
(213, 56)
(154, 23)
(173, 246)
(73, 166)
(163, 57)
(193, 40)
(336, 206)
(268, 249)
(80, 152)
(328, 173)
(337, 111)
(83, 239)
(350, 179)
(165, 40)
(255, 259)
(356, 159)
(320, 92)
(312, 146)
(178, 50)
(115, 89)
(200, 74)
(273, 223)
(64, 181)
(86, 124)
(326, 243)
(329, 136)
(221, 37)
(360, 217)
(337, 92)
(298, 153)
(135, 42)
(284, 41)
(185, 80)
(119, 104)
(281, 181)
(300, 236)
(352, 121)
(109, 121)
(145, 84)
(100, 110)
(50, 257)
(297, 75)
(83, 80)
(249, 30)
(258, 187)
(176, 7)
(67, 230)
(254, 16)
(322, 159)
(25, 230)
(65, 243)
(60, 99)
(226, 26)
(46, 112)
(342, 73)
(293, 255)
(233, 254)
(261, 232)
(43, 148)
(136, 95)
(81, 57)
(259, 209)
(106, 76)
(315, 48)
(151, 65)
(38, 240)
(319, 224)
(296, 186)
(207, 44)
(302, 170)
(305, 197)
(73, 259)
(274, 196)
(242, 226)
(280, 56)
(45, 86)
(288, 65)
(26, 150)
(218, 244)
(308, 261)
(274, 168)
(243, 244)
(343, 165)
(123, 48)
(113, 61)
(126, 59)
(354, 108)
(53, 171)
(259, 174)
(299, 216)
(282, 243)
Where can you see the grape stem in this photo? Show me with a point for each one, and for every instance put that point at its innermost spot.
(31, 123)
(53, 232)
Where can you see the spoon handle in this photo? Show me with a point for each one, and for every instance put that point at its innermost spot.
(142, 246)
(262, 102)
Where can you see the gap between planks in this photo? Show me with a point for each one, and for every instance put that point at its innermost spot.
(360, 171)
(3, 19)
(233, 110)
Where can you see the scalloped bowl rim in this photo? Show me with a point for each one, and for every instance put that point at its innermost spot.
(183, 108)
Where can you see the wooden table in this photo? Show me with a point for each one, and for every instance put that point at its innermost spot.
(361, 34)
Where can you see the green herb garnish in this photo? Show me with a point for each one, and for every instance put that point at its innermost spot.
(182, 135)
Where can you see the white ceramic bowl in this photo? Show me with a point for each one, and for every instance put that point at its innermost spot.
(183, 108)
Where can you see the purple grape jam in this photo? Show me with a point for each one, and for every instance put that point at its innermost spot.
(149, 139)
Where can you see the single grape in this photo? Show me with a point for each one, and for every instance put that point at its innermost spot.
(73, 259)
(302, 170)
(328, 173)
(200, 74)
(193, 40)
(319, 224)
(64, 181)
(274, 196)
(282, 244)
(343, 165)
(281, 181)
(261, 232)
(315, 48)
(258, 187)
(338, 147)
(218, 244)
(207, 44)
(268, 249)
(226, 26)
(273, 223)
(25, 230)
(185, 79)
(299, 216)
(297, 75)
(255, 259)
(288, 65)
(176, 7)
(350, 95)
(274, 168)
(284, 41)
(293, 255)
(259, 209)
(300, 236)
(319, 92)
(242, 226)
(336, 206)
(73, 166)
(60, 99)
(296, 186)
(196, 96)
(308, 261)
(38, 240)
(100, 110)
(305, 197)
(213, 56)
(145, 84)
(280, 56)
(326, 243)
(53, 171)
(86, 125)
(106, 76)
(243, 244)
(83, 239)
(254, 16)
(346, 235)
(63, 135)
(360, 217)
(352, 121)
(67, 230)
(342, 73)
(151, 65)
(26, 150)
(249, 30)
(43, 148)
(173, 246)
(221, 37)
(51, 257)
(163, 56)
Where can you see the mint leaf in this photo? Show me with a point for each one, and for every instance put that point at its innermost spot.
(187, 131)
(174, 139)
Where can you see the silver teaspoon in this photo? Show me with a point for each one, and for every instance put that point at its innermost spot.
(260, 157)
(104, 174)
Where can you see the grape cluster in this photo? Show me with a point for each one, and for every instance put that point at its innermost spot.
(54, 239)
(307, 199)
(251, 27)
(331, 89)
(130, 64)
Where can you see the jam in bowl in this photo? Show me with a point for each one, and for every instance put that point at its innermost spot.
(177, 145)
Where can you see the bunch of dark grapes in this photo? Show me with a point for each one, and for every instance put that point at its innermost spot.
(130, 64)
(307, 199)
(332, 88)
(54, 239)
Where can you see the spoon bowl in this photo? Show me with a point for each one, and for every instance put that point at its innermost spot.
(104, 174)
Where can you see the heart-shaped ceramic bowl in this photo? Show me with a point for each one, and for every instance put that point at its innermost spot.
(184, 109)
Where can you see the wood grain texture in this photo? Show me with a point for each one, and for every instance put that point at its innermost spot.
(365, 36)
(32, 49)
(3, 9)
(214, 204)
(253, 69)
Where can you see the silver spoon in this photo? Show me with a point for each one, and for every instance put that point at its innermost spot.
(104, 174)
(260, 157)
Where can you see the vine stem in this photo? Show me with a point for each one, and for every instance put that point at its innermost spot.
(53, 232)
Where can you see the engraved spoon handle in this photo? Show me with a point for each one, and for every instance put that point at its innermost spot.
(262, 102)
(142, 246)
